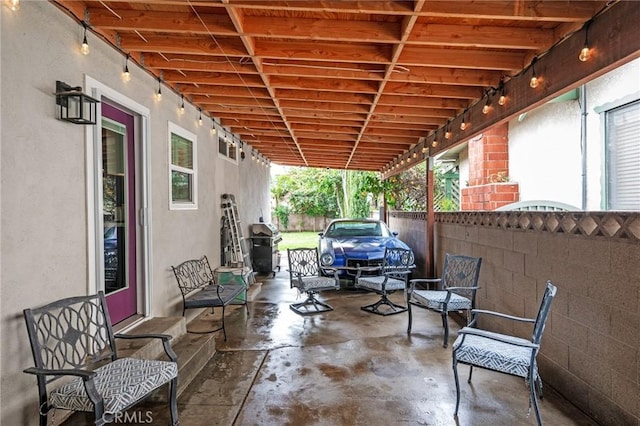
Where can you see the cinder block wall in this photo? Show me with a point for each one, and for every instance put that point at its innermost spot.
(591, 347)
(410, 228)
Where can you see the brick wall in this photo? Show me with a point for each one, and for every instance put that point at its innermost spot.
(488, 186)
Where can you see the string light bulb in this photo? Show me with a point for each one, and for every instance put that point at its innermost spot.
(84, 49)
(585, 51)
(181, 104)
(14, 5)
(159, 92)
(487, 106)
(464, 124)
(213, 127)
(447, 131)
(126, 75)
(534, 77)
(503, 98)
(434, 142)
(200, 117)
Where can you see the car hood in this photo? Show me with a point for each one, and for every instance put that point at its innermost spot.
(364, 248)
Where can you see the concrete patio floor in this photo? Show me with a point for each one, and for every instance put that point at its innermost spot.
(344, 367)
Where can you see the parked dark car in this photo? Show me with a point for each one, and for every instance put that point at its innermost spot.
(356, 242)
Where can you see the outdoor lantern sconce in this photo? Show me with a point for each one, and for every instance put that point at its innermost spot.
(75, 106)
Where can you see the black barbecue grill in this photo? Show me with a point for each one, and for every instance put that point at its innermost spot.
(266, 257)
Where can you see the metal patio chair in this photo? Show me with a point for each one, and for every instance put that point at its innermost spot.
(306, 275)
(391, 276)
(457, 290)
(504, 353)
(78, 368)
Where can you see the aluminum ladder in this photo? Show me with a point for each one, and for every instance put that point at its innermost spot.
(235, 253)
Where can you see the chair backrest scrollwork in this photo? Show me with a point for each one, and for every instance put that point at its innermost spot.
(193, 274)
(303, 262)
(70, 333)
(461, 271)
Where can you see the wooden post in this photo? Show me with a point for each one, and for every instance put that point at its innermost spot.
(430, 218)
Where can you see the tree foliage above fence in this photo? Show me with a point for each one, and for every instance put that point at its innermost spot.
(347, 193)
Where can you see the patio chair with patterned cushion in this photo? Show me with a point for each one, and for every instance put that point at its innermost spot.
(457, 290)
(72, 339)
(502, 352)
(306, 275)
(391, 276)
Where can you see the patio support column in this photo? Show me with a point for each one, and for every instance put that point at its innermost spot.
(430, 222)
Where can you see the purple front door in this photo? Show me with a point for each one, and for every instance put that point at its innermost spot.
(119, 210)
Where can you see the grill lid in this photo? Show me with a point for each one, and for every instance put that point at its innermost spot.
(264, 230)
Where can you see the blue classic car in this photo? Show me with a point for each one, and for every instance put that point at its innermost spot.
(355, 242)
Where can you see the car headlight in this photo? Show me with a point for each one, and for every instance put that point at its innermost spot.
(326, 259)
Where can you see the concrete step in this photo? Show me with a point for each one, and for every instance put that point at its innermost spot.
(193, 350)
(151, 348)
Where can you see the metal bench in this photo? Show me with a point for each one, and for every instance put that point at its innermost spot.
(77, 365)
(199, 289)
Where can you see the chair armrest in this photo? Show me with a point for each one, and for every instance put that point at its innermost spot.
(450, 289)
(499, 337)
(144, 336)
(164, 337)
(84, 374)
(413, 282)
(361, 269)
(501, 315)
(332, 271)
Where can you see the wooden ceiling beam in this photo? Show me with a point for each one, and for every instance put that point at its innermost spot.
(323, 84)
(318, 29)
(202, 45)
(430, 102)
(483, 59)
(160, 21)
(232, 91)
(314, 95)
(324, 106)
(198, 63)
(383, 111)
(435, 90)
(485, 36)
(210, 78)
(228, 101)
(350, 71)
(451, 76)
(323, 51)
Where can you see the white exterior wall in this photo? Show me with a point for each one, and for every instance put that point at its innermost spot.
(44, 218)
(544, 159)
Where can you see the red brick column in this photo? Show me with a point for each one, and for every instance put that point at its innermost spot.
(489, 186)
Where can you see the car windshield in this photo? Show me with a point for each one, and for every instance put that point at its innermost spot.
(357, 229)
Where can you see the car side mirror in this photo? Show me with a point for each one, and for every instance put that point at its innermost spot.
(321, 234)
(395, 234)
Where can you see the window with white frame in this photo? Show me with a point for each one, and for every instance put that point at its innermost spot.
(622, 164)
(183, 178)
(227, 148)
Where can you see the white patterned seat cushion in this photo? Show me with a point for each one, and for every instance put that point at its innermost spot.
(121, 383)
(375, 283)
(316, 283)
(493, 354)
(434, 299)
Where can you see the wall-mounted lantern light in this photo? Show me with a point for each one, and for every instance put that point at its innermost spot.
(75, 106)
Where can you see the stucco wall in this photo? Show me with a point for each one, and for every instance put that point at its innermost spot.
(591, 347)
(544, 145)
(44, 237)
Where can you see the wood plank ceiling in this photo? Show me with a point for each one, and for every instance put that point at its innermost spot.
(338, 84)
